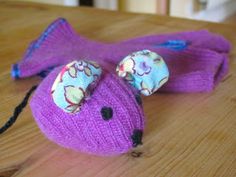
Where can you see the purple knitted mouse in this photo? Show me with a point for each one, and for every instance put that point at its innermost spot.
(84, 107)
(90, 101)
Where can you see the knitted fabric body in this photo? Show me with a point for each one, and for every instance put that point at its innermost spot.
(196, 64)
(87, 131)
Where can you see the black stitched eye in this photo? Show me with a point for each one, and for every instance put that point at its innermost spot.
(138, 99)
(107, 113)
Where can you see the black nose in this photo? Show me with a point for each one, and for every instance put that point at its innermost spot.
(137, 137)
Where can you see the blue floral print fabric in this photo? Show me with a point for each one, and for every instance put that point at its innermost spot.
(145, 70)
(74, 84)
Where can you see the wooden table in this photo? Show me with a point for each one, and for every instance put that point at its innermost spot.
(186, 135)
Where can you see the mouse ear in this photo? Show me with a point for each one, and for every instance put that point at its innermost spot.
(74, 84)
(144, 70)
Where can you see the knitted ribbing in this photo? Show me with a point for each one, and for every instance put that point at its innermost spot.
(87, 131)
(198, 67)
(111, 121)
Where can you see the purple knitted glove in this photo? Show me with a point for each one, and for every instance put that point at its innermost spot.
(197, 60)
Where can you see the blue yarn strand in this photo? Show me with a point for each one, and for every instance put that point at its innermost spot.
(178, 45)
(15, 72)
(44, 36)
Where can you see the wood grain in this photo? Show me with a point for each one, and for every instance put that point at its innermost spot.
(187, 135)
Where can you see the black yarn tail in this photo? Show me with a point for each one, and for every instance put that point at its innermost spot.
(17, 111)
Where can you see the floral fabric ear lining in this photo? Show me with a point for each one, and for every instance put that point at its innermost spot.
(74, 84)
(145, 70)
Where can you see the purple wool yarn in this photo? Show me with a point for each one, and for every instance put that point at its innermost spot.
(89, 131)
(111, 122)
(197, 60)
